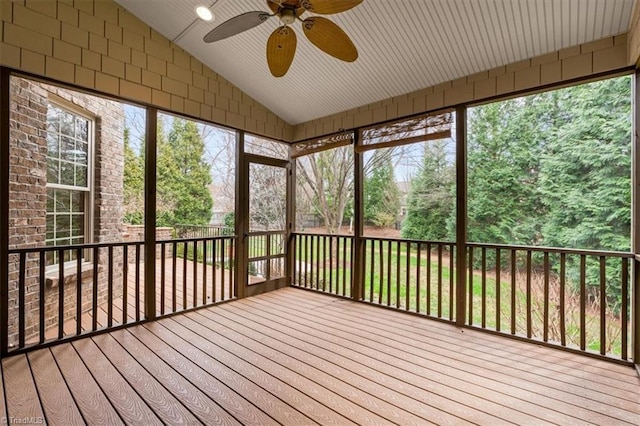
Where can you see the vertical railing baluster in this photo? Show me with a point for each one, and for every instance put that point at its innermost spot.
(529, 318)
(214, 296)
(22, 272)
(137, 286)
(110, 286)
(185, 251)
(498, 288)
(94, 294)
(231, 267)
(298, 272)
(483, 309)
(204, 271)
(344, 266)
(389, 252)
(331, 264)
(624, 312)
(603, 305)
(41, 287)
(408, 279)
(418, 267)
(398, 253)
(439, 280)
(428, 272)
(316, 254)
(174, 273)
(563, 327)
(371, 272)
(194, 296)
(583, 300)
(60, 293)
(78, 291)
(470, 286)
(324, 263)
(163, 254)
(125, 282)
(223, 254)
(381, 270)
(514, 273)
(545, 313)
(451, 281)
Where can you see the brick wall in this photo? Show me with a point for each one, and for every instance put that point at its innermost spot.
(28, 198)
(599, 56)
(99, 45)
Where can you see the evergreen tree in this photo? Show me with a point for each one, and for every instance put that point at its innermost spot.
(585, 180)
(382, 197)
(183, 177)
(431, 197)
(133, 183)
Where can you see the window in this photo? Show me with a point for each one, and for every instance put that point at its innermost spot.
(69, 137)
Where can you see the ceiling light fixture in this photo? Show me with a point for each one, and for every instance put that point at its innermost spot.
(204, 13)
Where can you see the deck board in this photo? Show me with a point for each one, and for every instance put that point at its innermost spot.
(92, 402)
(294, 357)
(57, 402)
(519, 389)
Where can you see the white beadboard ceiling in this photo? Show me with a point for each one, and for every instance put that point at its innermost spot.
(404, 45)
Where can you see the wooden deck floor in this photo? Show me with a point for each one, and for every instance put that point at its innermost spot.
(295, 357)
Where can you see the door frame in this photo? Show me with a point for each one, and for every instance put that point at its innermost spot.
(245, 289)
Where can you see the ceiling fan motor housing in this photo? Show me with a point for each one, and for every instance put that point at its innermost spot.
(287, 15)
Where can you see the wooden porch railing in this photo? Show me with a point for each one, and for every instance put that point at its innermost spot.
(61, 292)
(576, 299)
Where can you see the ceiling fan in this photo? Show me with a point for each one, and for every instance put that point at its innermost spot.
(281, 46)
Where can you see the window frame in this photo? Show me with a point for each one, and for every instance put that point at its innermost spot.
(60, 103)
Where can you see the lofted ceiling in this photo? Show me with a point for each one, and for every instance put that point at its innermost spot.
(404, 45)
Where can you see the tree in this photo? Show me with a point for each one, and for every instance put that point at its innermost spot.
(505, 142)
(133, 182)
(585, 178)
(326, 178)
(382, 197)
(431, 197)
(183, 177)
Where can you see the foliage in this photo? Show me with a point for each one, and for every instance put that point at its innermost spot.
(431, 197)
(133, 191)
(183, 177)
(382, 197)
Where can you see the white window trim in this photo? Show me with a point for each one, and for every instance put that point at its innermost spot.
(64, 104)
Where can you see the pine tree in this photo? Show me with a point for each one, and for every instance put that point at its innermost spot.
(382, 197)
(431, 197)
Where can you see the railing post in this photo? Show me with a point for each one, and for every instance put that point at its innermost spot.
(635, 221)
(240, 272)
(291, 219)
(150, 214)
(357, 277)
(461, 214)
(4, 205)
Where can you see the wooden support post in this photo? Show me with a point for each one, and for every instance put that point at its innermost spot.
(240, 276)
(5, 78)
(357, 276)
(291, 218)
(461, 214)
(635, 222)
(150, 214)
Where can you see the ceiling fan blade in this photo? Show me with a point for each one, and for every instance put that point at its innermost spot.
(330, 38)
(236, 25)
(327, 7)
(281, 48)
(274, 5)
